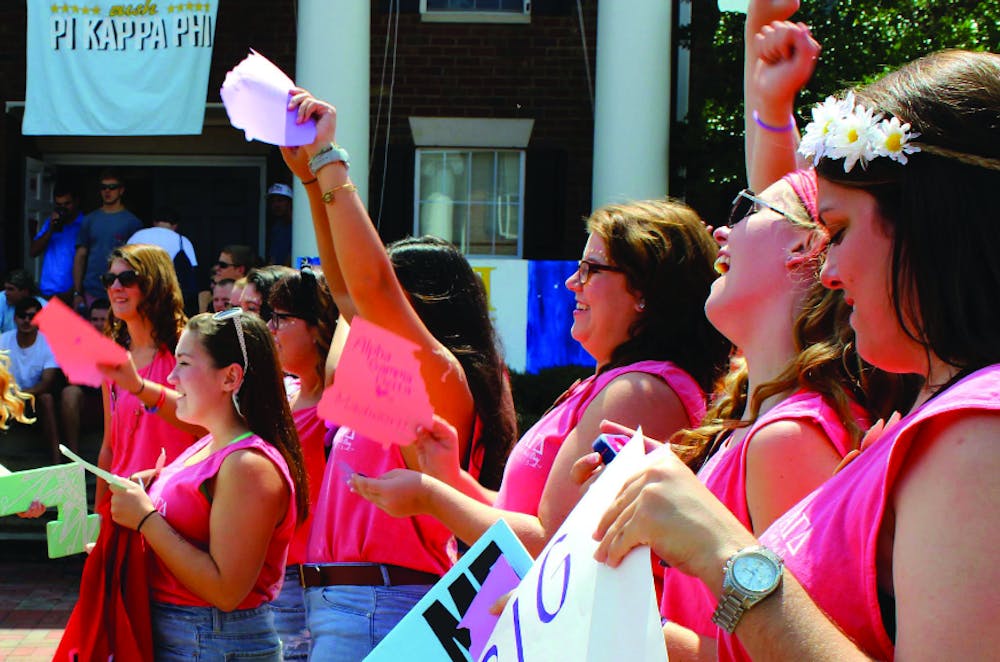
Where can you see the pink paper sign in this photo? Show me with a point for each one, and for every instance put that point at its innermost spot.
(255, 94)
(77, 345)
(378, 390)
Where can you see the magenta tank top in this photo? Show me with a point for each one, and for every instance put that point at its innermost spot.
(347, 528)
(312, 430)
(686, 601)
(531, 459)
(829, 539)
(137, 435)
(177, 495)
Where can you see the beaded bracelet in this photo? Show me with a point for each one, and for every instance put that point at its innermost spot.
(770, 127)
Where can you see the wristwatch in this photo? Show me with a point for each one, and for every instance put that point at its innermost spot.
(332, 153)
(751, 574)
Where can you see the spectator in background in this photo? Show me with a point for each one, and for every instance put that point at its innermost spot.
(56, 242)
(18, 285)
(258, 288)
(34, 368)
(221, 292)
(279, 216)
(163, 233)
(235, 261)
(80, 407)
(102, 231)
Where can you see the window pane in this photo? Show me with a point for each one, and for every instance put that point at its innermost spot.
(509, 174)
(482, 177)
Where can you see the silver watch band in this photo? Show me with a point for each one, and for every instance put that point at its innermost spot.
(728, 612)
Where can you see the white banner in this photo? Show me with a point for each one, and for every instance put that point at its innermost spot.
(107, 68)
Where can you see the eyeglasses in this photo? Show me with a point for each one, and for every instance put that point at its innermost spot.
(236, 315)
(127, 278)
(26, 316)
(110, 187)
(585, 268)
(746, 203)
(276, 318)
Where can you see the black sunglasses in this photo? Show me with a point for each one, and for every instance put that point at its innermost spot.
(127, 278)
(585, 268)
(746, 203)
(26, 316)
(110, 187)
(225, 265)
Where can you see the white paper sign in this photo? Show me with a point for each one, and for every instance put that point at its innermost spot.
(569, 606)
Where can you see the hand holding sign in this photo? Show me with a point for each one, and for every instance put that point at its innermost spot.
(379, 391)
(76, 344)
(255, 94)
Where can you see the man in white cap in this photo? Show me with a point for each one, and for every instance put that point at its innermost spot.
(279, 213)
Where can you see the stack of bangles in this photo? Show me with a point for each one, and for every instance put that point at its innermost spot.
(159, 401)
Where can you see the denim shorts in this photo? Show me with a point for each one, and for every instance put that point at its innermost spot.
(289, 610)
(207, 634)
(347, 622)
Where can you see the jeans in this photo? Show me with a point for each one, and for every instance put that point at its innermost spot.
(347, 622)
(207, 634)
(289, 610)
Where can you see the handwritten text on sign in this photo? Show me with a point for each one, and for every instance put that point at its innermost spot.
(379, 391)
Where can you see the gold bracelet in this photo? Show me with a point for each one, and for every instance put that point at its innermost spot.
(347, 186)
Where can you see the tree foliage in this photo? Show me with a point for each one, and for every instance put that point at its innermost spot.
(861, 39)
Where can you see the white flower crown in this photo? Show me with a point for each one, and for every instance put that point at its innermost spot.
(842, 130)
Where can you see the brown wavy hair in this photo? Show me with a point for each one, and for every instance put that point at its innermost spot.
(162, 302)
(668, 258)
(305, 293)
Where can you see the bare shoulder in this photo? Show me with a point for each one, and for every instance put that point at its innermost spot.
(639, 398)
(248, 467)
(789, 438)
(962, 446)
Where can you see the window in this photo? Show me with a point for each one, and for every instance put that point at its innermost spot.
(471, 197)
(479, 11)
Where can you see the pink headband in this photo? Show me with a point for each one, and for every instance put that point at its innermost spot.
(803, 182)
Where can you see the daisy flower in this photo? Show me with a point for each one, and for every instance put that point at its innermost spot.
(894, 140)
(853, 138)
(813, 144)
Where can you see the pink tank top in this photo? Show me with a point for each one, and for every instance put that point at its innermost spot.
(137, 435)
(311, 429)
(686, 601)
(347, 528)
(531, 459)
(837, 565)
(178, 496)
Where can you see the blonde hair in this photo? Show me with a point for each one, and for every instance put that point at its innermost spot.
(12, 399)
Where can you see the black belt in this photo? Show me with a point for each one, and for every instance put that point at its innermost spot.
(362, 574)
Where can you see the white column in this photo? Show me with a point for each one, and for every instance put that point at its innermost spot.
(332, 62)
(632, 105)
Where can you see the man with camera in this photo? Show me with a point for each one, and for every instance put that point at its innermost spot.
(56, 239)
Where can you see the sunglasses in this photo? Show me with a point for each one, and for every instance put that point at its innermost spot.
(585, 268)
(747, 203)
(127, 278)
(110, 187)
(225, 265)
(236, 315)
(26, 316)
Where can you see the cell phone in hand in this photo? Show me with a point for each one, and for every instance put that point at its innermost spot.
(608, 445)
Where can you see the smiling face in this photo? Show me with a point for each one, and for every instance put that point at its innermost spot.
(124, 300)
(755, 281)
(605, 307)
(859, 262)
(200, 384)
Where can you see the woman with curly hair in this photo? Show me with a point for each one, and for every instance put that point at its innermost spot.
(12, 399)
(146, 318)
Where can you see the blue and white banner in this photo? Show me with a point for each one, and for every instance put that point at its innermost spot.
(107, 68)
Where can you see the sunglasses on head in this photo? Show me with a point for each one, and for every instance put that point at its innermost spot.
(110, 187)
(127, 278)
(236, 315)
(747, 203)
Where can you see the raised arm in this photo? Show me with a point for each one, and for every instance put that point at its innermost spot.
(151, 394)
(371, 281)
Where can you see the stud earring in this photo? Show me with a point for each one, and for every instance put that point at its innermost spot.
(641, 306)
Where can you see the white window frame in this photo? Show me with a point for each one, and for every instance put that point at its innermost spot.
(475, 15)
(463, 242)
